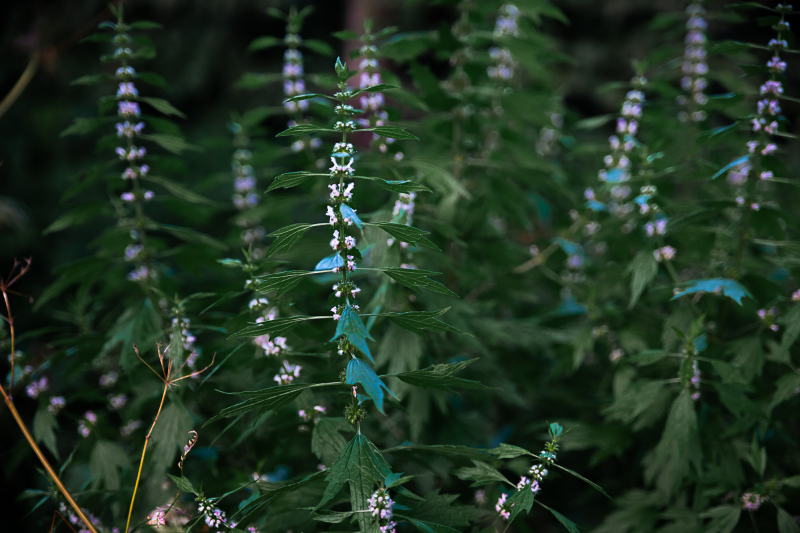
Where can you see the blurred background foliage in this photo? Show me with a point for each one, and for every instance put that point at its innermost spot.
(202, 52)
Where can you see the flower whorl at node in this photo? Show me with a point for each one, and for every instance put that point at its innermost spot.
(37, 387)
(503, 507)
(751, 501)
(293, 83)
(313, 414)
(214, 517)
(380, 505)
(695, 66)
(87, 423)
(694, 383)
(355, 414)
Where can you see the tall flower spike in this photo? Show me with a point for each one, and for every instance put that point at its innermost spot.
(695, 66)
(246, 197)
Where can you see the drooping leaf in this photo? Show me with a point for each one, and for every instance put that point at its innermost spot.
(279, 326)
(159, 104)
(592, 484)
(351, 326)
(282, 282)
(77, 217)
(269, 399)
(643, 269)
(183, 484)
(416, 278)
(330, 262)
(262, 43)
(407, 234)
(171, 143)
(320, 47)
(82, 126)
(521, 500)
(178, 190)
(300, 129)
(509, 451)
(440, 377)
(730, 165)
(567, 523)
(419, 321)
(728, 287)
(786, 522)
(398, 186)
(286, 238)
(189, 235)
(360, 372)
(723, 518)
(444, 449)
(392, 132)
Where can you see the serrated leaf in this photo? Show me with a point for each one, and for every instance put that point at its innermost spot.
(254, 508)
(429, 527)
(419, 321)
(300, 129)
(279, 326)
(159, 104)
(786, 387)
(398, 186)
(392, 132)
(264, 42)
(509, 451)
(440, 377)
(269, 399)
(326, 440)
(289, 179)
(728, 287)
(282, 282)
(183, 484)
(723, 518)
(592, 484)
(76, 217)
(643, 268)
(407, 234)
(189, 235)
(567, 523)
(521, 500)
(443, 509)
(444, 449)
(791, 321)
(106, 462)
(308, 96)
(351, 326)
(286, 238)
(332, 517)
(416, 278)
(44, 426)
(481, 474)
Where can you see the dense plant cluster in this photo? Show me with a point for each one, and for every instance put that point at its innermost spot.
(429, 206)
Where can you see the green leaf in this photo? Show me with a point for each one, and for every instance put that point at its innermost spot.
(442, 509)
(178, 190)
(82, 126)
(332, 517)
(326, 440)
(440, 377)
(521, 500)
(392, 132)
(308, 96)
(320, 47)
(360, 372)
(183, 484)
(398, 186)
(444, 449)
(419, 321)
(429, 527)
(44, 426)
(569, 524)
(290, 179)
(359, 457)
(509, 451)
(347, 35)
(171, 143)
(375, 89)
(786, 522)
(170, 436)
(786, 387)
(264, 42)
(159, 104)
(105, 464)
(139, 324)
(416, 278)
(480, 474)
(300, 129)
(254, 508)
(728, 287)
(592, 484)
(407, 234)
(154, 79)
(145, 25)
(189, 235)
(341, 69)
(592, 123)
(286, 238)
(644, 268)
(279, 326)
(791, 321)
(728, 372)
(269, 399)
(77, 217)
(353, 328)
(282, 282)
(723, 518)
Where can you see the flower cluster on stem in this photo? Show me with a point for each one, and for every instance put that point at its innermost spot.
(695, 66)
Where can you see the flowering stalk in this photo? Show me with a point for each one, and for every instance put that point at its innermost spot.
(695, 66)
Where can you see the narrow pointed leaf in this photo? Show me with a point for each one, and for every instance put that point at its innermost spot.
(279, 326)
(289, 180)
(281, 282)
(286, 238)
(360, 372)
(416, 278)
(407, 234)
(392, 132)
(419, 321)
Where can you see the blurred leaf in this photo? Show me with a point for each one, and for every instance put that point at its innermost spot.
(440, 377)
(264, 42)
(415, 278)
(105, 464)
(44, 426)
(159, 104)
(480, 474)
(728, 287)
